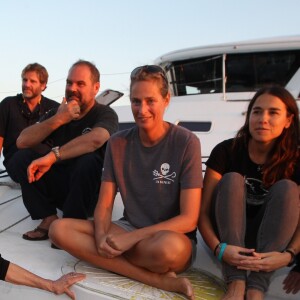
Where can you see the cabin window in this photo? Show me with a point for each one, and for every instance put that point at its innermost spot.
(196, 76)
(244, 72)
(201, 126)
(126, 125)
(251, 71)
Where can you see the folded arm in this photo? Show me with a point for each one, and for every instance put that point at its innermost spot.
(36, 133)
(83, 144)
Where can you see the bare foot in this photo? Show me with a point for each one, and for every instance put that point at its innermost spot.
(171, 274)
(253, 294)
(235, 290)
(170, 282)
(44, 226)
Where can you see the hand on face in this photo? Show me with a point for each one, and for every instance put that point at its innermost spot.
(68, 111)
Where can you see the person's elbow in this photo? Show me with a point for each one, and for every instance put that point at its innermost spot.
(21, 143)
(98, 140)
(191, 223)
(203, 221)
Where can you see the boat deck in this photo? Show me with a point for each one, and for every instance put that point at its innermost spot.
(41, 259)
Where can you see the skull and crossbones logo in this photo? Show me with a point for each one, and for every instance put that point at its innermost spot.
(165, 169)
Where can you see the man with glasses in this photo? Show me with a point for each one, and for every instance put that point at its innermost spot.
(18, 112)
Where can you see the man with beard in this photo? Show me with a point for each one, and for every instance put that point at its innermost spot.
(68, 175)
(20, 111)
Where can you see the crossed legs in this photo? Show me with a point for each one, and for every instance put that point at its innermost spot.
(152, 261)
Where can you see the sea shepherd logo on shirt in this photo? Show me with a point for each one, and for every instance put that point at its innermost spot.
(162, 177)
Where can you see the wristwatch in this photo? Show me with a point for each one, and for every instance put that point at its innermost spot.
(56, 152)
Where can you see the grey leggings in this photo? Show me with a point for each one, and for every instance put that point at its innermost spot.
(277, 226)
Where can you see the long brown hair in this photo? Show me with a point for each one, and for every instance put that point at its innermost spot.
(282, 158)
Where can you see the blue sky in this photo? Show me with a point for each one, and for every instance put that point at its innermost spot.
(118, 35)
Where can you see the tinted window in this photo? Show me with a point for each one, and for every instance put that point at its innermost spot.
(197, 76)
(196, 126)
(251, 71)
(126, 125)
(243, 72)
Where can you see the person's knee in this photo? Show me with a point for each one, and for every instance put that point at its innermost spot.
(89, 163)
(232, 178)
(285, 189)
(23, 156)
(285, 186)
(171, 249)
(58, 230)
(86, 173)
(231, 186)
(17, 165)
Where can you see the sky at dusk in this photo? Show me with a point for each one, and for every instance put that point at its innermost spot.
(119, 35)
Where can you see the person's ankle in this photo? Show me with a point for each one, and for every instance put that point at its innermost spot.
(235, 290)
(255, 294)
(46, 222)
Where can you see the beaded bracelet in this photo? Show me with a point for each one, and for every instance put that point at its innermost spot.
(222, 249)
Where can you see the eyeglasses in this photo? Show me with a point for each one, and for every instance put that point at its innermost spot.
(150, 69)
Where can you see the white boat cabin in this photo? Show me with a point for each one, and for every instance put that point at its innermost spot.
(212, 86)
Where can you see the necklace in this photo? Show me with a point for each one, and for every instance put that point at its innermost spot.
(259, 168)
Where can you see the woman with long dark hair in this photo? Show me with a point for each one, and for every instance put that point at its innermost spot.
(250, 208)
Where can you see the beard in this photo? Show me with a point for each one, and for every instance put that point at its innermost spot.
(29, 93)
(73, 96)
(76, 96)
